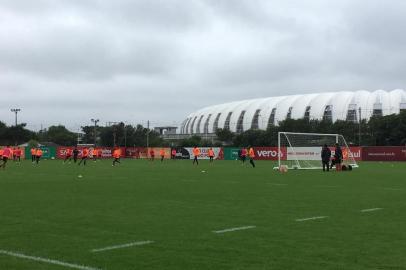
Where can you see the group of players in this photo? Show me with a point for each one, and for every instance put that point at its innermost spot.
(7, 153)
(329, 161)
(93, 153)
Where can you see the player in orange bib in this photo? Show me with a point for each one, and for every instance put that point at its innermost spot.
(162, 154)
(68, 155)
(211, 154)
(38, 155)
(33, 151)
(196, 154)
(18, 153)
(85, 155)
(152, 154)
(7, 153)
(251, 154)
(116, 156)
(95, 154)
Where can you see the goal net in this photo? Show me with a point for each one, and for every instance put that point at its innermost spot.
(303, 150)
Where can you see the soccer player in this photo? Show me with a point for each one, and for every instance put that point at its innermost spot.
(95, 154)
(211, 154)
(85, 155)
(18, 153)
(7, 153)
(33, 152)
(75, 154)
(173, 154)
(243, 155)
(196, 154)
(162, 154)
(338, 156)
(68, 155)
(251, 154)
(116, 156)
(325, 157)
(38, 155)
(152, 154)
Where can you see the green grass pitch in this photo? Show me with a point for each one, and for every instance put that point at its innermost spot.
(47, 211)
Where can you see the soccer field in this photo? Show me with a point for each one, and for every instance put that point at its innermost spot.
(171, 215)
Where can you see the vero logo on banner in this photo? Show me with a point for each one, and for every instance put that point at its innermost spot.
(269, 153)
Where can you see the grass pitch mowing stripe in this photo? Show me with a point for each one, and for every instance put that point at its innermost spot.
(46, 260)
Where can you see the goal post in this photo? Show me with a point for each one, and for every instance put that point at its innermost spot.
(303, 150)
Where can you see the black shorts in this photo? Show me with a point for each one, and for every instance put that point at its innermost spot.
(337, 161)
(5, 159)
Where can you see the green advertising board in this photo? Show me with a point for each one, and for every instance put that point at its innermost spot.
(47, 152)
(231, 153)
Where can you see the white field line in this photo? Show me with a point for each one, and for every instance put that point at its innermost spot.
(392, 188)
(328, 186)
(371, 209)
(45, 260)
(235, 229)
(277, 184)
(140, 243)
(310, 218)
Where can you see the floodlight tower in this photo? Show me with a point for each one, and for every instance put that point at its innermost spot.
(16, 110)
(95, 126)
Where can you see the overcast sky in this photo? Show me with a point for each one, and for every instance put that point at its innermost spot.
(133, 60)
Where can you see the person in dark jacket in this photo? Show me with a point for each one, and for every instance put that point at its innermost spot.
(325, 157)
(338, 156)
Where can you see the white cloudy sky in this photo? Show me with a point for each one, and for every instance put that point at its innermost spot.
(137, 60)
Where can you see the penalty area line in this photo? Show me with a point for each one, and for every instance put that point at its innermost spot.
(370, 210)
(46, 260)
(235, 229)
(140, 243)
(310, 218)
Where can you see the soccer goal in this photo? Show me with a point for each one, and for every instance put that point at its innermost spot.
(303, 150)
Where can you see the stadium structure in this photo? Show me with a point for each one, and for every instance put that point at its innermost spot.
(260, 113)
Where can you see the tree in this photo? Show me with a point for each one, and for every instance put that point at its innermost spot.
(224, 135)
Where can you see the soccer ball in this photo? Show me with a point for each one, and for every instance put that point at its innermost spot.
(283, 169)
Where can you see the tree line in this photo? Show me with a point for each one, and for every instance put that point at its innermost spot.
(118, 134)
(379, 130)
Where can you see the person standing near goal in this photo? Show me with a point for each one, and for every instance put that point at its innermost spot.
(338, 156)
(325, 157)
(251, 154)
(211, 154)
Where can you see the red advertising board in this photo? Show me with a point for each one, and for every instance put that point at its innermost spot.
(269, 153)
(106, 152)
(384, 153)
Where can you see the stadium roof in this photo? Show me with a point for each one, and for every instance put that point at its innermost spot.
(259, 113)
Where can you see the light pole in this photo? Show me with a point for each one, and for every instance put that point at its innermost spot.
(16, 112)
(95, 126)
(359, 127)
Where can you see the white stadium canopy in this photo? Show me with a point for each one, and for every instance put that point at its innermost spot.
(259, 113)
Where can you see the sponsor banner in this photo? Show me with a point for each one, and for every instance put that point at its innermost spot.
(304, 153)
(182, 153)
(47, 152)
(136, 152)
(204, 152)
(269, 153)
(231, 153)
(384, 153)
(105, 152)
(157, 151)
